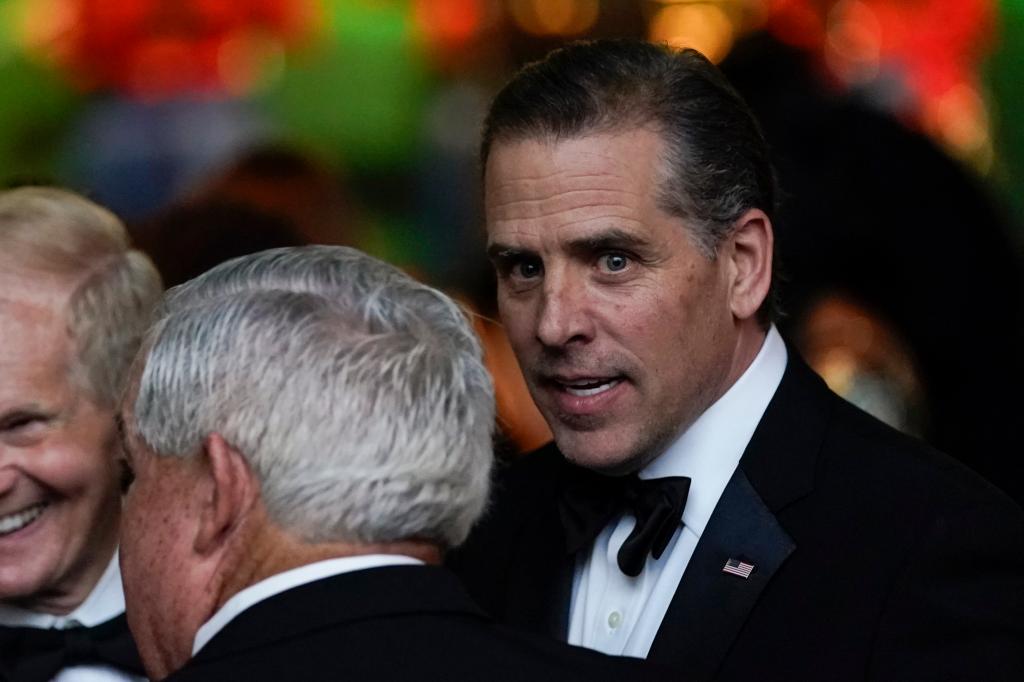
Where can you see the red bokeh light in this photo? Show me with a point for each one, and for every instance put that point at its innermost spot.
(154, 49)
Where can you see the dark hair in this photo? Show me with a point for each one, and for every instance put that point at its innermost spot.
(718, 162)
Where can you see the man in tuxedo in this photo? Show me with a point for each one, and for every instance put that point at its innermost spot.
(75, 300)
(309, 428)
(707, 502)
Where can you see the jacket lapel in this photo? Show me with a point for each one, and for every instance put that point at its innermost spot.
(710, 606)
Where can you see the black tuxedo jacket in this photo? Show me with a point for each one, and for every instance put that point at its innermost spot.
(875, 557)
(390, 623)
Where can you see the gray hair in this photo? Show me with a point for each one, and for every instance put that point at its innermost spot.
(113, 287)
(357, 395)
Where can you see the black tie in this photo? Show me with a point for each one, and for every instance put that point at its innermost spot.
(38, 654)
(588, 504)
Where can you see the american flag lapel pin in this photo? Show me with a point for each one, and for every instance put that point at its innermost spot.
(737, 567)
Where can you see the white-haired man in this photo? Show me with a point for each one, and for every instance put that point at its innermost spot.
(309, 429)
(74, 303)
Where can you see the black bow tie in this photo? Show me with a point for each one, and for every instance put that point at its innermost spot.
(588, 504)
(38, 654)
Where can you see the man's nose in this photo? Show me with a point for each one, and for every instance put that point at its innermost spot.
(564, 315)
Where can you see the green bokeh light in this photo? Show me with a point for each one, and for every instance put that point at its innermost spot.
(361, 92)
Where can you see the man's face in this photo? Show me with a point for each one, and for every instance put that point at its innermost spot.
(622, 326)
(59, 479)
(166, 584)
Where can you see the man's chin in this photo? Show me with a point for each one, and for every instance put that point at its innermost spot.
(599, 451)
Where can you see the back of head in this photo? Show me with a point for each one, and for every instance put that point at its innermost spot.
(357, 395)
(717, 164)
(54, 235)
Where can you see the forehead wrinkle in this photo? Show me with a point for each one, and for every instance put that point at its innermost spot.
(559, 182)
(582, 201)
(610, 215)
(537, 178)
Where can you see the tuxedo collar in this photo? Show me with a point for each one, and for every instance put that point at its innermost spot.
(781, 458)
(369, 593)
(710, 607)
(286, 580)
(778, 462)
(709, 450)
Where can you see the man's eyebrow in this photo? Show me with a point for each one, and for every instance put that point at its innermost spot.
(607, 240)
(500, 252)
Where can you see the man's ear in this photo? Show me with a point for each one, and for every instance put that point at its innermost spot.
(233, 489)
(750, 253)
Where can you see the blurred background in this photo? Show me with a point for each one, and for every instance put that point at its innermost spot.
(219, 127)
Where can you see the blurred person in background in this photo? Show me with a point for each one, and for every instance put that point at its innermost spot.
(288, 184)
(189, 238)
(309, 429)
(902, 285)
(74, 302)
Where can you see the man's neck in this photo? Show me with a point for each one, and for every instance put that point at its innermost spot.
(275, 551)
(748, 344)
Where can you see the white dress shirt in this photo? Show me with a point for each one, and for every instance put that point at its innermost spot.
(616, 614)
(106, 601)
(281, 582)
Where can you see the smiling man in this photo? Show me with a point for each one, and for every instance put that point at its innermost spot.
(707, 502)
(74, 301)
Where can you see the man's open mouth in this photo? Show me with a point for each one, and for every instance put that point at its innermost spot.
(11, 523)
(584, 388)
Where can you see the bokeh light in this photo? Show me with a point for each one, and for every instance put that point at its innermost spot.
(452, 23)
(703, 26)
(853, 41)
(554, 17)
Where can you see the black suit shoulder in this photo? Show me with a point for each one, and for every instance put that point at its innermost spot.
(897, 484)
(907, 564)
(395, 623)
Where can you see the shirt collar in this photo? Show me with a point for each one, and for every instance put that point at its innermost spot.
(282, 582)
(105, 601)
(710, 450)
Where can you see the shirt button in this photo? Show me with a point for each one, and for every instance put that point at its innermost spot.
(614, 619)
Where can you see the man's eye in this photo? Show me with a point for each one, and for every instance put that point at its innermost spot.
(20, 423)
(24, 430)
(613, 262)
(527, 269)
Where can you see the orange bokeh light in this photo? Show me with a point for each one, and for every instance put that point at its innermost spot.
(702, 26)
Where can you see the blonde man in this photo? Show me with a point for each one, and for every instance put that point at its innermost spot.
(74, 302)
